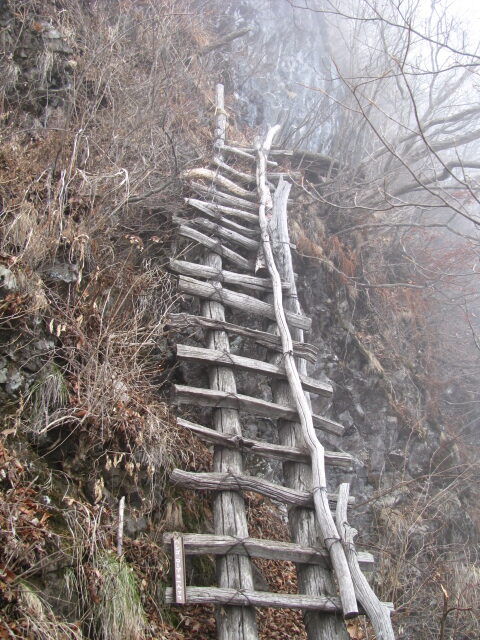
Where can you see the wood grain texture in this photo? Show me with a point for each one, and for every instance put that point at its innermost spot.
(220, 210)
(229, 515)
(264, 449)
(245, 178)
(215, 245)
(213, 481)
(263, 338)
(211, 213)
(213, 177)
(220, 197)
(241, 301)
(316, 449)
(246, 154)
(231, 400)
(208, 544)
(377, 611)
(227, 277)
(247, 598)
(214, 595)
(313, 580)
(198, 354)
(219, 230)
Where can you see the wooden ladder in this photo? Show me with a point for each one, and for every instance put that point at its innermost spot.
(240, 224)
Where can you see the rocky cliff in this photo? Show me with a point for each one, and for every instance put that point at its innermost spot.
(103, 104)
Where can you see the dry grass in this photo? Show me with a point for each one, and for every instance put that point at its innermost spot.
(87, 177)
(94, 133)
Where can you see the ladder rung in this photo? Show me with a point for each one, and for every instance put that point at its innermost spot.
(251, 155)
(229, 277)
(230, 482)
(241, 301)
(218, 209)
(215, 357)
(215, 246)
(270, 340)
(247, 598)
(216, 215)
(218, 230)
(215, 177)
(265, 449)
(256, 406)
(197, 544)
(225, 198)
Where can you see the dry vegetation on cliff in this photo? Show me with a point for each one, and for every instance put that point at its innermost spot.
(102, 105)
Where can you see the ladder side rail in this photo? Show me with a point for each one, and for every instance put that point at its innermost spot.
(313, 580)
(322, 509)
(233, 622)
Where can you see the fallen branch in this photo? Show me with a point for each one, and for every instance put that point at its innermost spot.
(229, 37)
(378, 613)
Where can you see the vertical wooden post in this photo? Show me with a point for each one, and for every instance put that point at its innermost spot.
(312, 579)
(233, 571)
(178, 554)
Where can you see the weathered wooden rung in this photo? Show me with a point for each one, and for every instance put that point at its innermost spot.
(216, 178)
(215, 357)
(326, 424)
(226, 222)
(245, 154)
(215, 246)
(207, 544)
(265, 449)
(246, 178)
(270, 340)
(256, 406)
(230, 482)
(223, 198)
(249, 178)
(219, 209)
(228, 277)
(273, 151)
(241, 301)
(220, 231)
(246, 598)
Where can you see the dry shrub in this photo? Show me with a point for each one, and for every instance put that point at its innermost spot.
(91, 148)
(342, 256)
(37, 619)
(88, 166)
(422, 559)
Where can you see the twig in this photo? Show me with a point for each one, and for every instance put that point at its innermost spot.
(233, 35)
(121, 511)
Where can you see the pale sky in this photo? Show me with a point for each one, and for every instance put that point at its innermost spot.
(468, 11)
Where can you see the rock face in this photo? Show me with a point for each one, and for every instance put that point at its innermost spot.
(39, 61)
(278, 64)
(414, 507)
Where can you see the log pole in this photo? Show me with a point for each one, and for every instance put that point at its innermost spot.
(326, 523)
(233, 572)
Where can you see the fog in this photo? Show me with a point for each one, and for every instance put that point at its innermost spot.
(391, 94)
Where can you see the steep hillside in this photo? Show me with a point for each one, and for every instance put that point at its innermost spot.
(103, 104)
